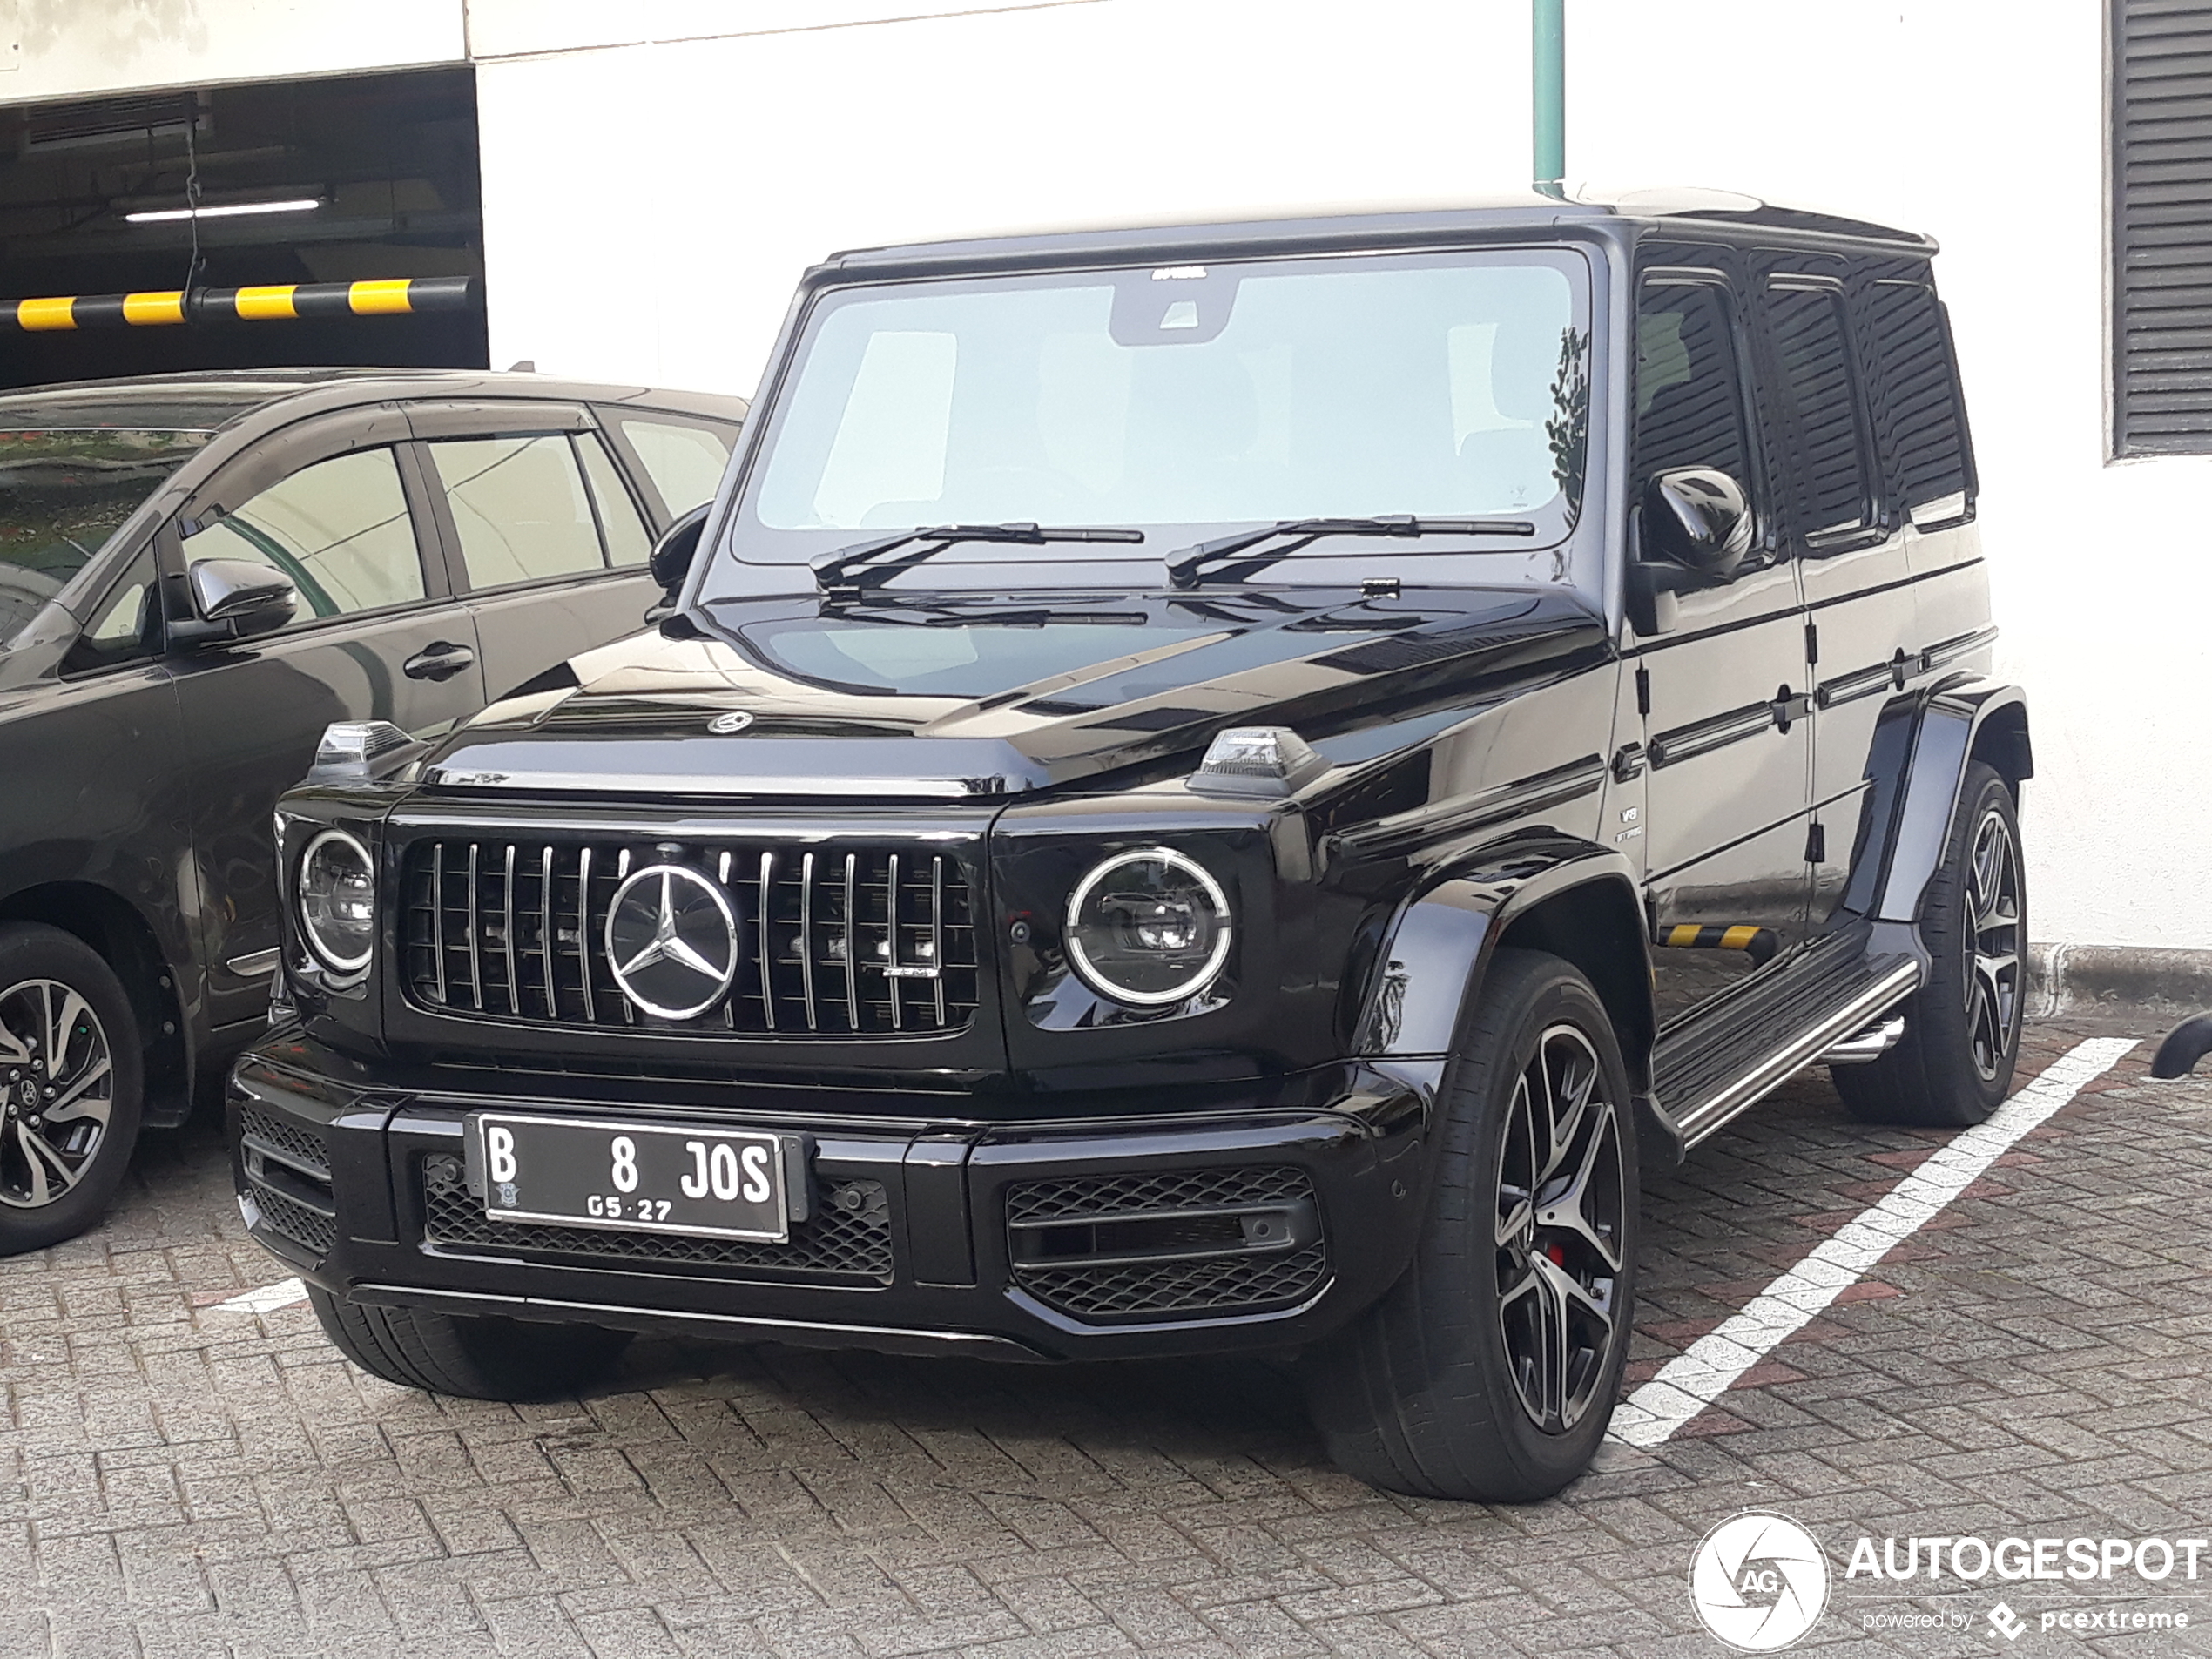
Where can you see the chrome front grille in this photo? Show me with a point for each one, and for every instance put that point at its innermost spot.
(868, 940)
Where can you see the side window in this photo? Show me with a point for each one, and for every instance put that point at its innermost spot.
(1689, 385)
(339, 530)
(1919, 399)
(1811, 336)
(620, 524)
(127, 625)
(520, 507)
(685, 462)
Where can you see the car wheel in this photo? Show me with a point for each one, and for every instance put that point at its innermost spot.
(1489, 1371)
(72, 1073)
(474, 1358)
(1962, 1029)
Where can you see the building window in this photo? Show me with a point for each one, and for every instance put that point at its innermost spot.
(2161, 227)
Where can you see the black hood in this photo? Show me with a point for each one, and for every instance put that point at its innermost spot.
(962, 696)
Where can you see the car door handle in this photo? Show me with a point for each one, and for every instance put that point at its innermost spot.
(440, 661)
(1790, 706)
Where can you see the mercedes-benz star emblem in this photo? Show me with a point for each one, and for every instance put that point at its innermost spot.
(725, 724)
(673, 941)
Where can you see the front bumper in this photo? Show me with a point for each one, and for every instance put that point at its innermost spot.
(1254, 1218)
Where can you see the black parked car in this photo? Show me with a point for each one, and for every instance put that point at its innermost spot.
(197, 575)
(1210, 790)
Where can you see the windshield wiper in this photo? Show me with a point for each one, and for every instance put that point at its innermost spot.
(1217, 559)
(868, 564)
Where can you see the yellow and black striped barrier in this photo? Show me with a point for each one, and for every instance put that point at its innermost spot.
(398, 296)
(1758, 944)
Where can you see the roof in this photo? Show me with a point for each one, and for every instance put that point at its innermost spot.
(211, 400)
(1313, 227)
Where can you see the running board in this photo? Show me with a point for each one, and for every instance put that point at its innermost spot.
(1726, 1059)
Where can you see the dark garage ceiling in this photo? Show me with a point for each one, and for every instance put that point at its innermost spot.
(392, 157)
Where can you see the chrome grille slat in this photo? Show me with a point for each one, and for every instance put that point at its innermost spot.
(583, 931)
(806, 938)
(889, 919)
(476, 934)
(507, 941)
(545, 934)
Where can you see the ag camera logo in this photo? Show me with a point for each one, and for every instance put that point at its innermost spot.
(1759, 1582)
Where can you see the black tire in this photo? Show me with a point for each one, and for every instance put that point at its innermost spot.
(467, 1356)
(58, 1174)
(1953, 1066)
(1423, 1394)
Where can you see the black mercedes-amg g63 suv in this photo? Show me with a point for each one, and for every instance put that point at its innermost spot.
(1198, 790)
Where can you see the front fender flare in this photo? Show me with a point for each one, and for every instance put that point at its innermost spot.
(1439, 945)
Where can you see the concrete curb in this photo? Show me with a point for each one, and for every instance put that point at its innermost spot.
(2065, 978)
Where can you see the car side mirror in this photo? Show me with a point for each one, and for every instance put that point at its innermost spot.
(671, 560)
(234, 599)
(1699, 519)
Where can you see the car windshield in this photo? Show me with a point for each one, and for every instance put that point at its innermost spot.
(62, 493)
(1184, 402)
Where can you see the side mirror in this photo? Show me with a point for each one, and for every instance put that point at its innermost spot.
(234, 599)
(670, 561)
(1698, 518)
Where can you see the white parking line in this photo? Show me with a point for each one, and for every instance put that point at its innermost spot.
(1701, 1373)
(267, 1299)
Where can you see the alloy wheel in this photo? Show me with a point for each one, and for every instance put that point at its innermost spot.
(57, 1091)
(1992, 944)
(1560, 1222)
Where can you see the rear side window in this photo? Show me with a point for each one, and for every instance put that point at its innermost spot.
(1921, 409)
(1812, 335)
(1689, 384)
(520, 507)
(339, 530)
(684, 462)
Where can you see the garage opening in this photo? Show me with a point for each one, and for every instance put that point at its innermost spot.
(340, 180)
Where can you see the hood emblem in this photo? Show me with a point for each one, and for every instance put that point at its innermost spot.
(723, 724)
(673, 941)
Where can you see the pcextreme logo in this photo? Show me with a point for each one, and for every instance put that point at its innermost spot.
(1759, 1582)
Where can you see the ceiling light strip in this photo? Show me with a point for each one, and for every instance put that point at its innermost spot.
(383, 297)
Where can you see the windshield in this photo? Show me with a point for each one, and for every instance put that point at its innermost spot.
(62, 495)
(1183, 401)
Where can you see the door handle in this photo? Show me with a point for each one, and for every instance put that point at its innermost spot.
(1790, 706)
(440, 660)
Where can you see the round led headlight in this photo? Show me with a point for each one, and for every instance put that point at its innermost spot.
(337, 901)
(1149, 927)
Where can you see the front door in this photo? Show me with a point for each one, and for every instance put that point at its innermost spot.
(376, 637)
(1719, 670)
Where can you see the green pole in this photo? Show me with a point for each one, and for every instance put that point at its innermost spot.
(1548, 93)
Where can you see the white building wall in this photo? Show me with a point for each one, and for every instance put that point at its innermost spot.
(656, 174)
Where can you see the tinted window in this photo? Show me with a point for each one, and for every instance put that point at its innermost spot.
(626, 538)
(520, 507)
(126, 626)
(1920, 395)
(339, 530)
(1812, 351)
(1689, 388)
(62, 495)
(685, 462)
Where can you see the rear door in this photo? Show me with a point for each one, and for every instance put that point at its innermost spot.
(378, 636)
(1848, 541)
(543, 533)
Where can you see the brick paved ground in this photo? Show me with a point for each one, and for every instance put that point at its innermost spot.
(176, 1480)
